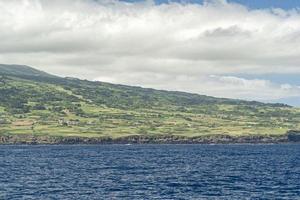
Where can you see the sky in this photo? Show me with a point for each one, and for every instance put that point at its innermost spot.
(235, 49)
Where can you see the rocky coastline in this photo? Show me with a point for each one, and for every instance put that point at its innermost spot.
(144, 139)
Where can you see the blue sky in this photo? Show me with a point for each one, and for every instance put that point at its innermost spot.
(253, 4)
(284, 4)
(234, 49)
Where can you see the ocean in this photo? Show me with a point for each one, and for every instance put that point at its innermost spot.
(150, 172)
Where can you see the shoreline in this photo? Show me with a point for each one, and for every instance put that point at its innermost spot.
(142, 139)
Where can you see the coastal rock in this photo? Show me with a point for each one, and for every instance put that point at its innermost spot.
(293, 136)
(143, 139)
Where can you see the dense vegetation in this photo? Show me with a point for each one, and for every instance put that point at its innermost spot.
(36, 103)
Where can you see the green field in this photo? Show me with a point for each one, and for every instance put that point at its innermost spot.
(36, 103)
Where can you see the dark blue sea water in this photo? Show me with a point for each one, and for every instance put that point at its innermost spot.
(150, 172)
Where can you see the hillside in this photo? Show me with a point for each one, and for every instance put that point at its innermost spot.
(34, 104)
(21, 70)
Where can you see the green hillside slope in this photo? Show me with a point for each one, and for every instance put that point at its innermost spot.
(21, 70)
(38, 104)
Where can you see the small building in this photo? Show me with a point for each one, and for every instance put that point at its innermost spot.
(64, 122)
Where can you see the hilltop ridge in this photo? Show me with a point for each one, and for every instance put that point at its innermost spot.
(21, 70)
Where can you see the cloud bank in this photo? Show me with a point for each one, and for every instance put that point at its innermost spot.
(190, 47)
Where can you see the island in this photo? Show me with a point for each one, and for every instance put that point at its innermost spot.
(40, 108)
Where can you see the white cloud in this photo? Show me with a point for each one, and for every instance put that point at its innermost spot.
(256, 89)
(171, 46)
(215, 85)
